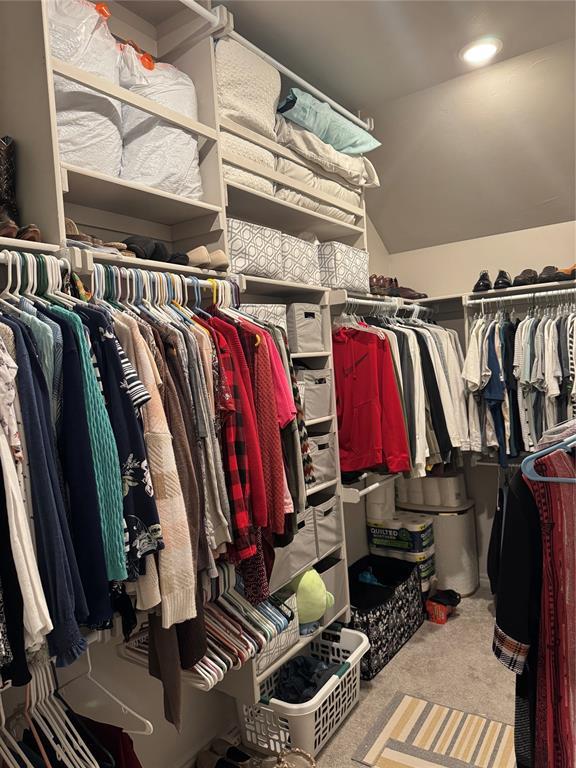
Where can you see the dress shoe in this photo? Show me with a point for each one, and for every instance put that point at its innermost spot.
(569, 273)
(526, 277)
(483, 283)
(548, 275)
(387, 286)
(373, 283)
(503, 280)
(409, 293)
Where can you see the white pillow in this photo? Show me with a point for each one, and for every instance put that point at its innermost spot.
(248, 88)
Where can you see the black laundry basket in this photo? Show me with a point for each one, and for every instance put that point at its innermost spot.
(389, 615)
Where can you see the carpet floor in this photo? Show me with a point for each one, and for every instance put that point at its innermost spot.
(451, 664)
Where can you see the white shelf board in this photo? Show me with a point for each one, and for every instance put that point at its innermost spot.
(266, 286)
(321, 420)
(101, 85)
(120, 260)
(107, 193)
(261, 208)
(13, 244)
(320, 487)
(309, 355)
(520, 290)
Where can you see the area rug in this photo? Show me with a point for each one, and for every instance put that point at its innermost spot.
(415, 733)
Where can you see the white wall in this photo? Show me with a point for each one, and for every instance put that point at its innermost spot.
(376, 248)
(454, 267)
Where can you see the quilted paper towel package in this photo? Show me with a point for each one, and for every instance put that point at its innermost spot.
(342, 266)
(254, 249)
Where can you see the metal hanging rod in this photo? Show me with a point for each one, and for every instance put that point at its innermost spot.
(387, 302)
(226, 29)
(531, 296)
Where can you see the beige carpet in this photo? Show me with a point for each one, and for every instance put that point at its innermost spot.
(416, 732)
(451, 664)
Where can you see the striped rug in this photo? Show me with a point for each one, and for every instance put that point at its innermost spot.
(415, 733)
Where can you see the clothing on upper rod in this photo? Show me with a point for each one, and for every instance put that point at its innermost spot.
(138, 435)
(400, 398)
(520, 374)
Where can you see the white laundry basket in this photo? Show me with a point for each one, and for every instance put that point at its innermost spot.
(273, 725)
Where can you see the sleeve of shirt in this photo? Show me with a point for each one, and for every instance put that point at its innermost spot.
(519, 578)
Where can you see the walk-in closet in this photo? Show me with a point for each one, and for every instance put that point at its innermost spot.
(287, 384)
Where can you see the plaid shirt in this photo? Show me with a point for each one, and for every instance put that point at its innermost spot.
(512, 653)
(235, 458)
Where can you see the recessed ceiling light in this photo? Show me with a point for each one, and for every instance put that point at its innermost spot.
(481, 51)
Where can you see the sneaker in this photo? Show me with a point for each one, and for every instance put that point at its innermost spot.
(483, 283)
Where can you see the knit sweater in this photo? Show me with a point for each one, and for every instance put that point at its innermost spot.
(176, 588)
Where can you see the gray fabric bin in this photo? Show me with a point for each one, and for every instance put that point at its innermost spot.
(300, 260)
(316, 392)
(305, 328)
(255, 250)
(342, 266)
(328, 519)
(298, 555)
(323, 455)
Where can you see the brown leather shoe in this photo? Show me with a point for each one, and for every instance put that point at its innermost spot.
(388, 286)
(548, 275)
(568, 273)
(526, 277)
(409, 293)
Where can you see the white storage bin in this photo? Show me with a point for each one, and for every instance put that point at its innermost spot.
(456, 551)
(298, 555)
(283, 642)
(334, 574)
(316, 392)
(431, 491)
(273, 725)
(323, 455)
(342, 266)
(328, 519)
(305, 328)
(300, 258)
(254, 249)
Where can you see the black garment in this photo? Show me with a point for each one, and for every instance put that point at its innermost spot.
(140, 511)
(78, 472)
(517, 574)
(509, 335)
(56, 558)
(433, 393)
(564, 355)
(301, 678)
(17, 670)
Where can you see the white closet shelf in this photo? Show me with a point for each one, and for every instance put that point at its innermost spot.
(320, 487)
(309, 355)
(521, 290)
(351, 495)
(320, 420)
(249, 204)
(108, 193)
(266, 286)
(13, 244)
(101, 85)
(99, 257)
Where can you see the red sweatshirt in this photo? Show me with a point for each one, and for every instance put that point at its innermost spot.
(371, 428)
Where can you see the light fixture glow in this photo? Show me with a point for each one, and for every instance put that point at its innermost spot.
(481, 51)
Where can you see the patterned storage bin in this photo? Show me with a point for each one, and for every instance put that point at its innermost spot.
(300, 260)
(275, 314)
(389, 615)
(255, 250)
(305, 328)
(342, 266)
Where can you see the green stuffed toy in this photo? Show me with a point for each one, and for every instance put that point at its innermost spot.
(312, 598)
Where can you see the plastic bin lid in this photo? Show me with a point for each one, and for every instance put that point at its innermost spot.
(438, 510)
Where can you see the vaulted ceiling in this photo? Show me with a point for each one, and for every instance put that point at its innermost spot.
(465, 152)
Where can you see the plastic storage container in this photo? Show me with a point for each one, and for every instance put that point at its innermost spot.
(305, 328)
(317, 392)
(254, 249)
(323, 455)
(328, 520)
(389, 614)
(273, 725)
(299, 555)
(300, 258)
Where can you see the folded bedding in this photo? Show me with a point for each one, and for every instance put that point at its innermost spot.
(356, 170)
(330, 126)
(307, 176)
(297, 198)
(248, 88)
(246, 149)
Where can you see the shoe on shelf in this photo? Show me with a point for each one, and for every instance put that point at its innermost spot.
(568, 273)
(503, 280)
(483, 283)
(374, 284)
(410, 293)
(387, 286)
(73, 233)
(548, 275)
(526, 277)
(8, 227)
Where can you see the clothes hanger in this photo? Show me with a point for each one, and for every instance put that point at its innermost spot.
(9, 747)
(528, 464)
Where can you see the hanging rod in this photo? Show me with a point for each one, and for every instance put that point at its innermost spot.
(529, 296)
(388, 302)
(228, 31)
(212, 18)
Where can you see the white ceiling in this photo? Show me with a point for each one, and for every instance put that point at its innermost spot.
(465, 153)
